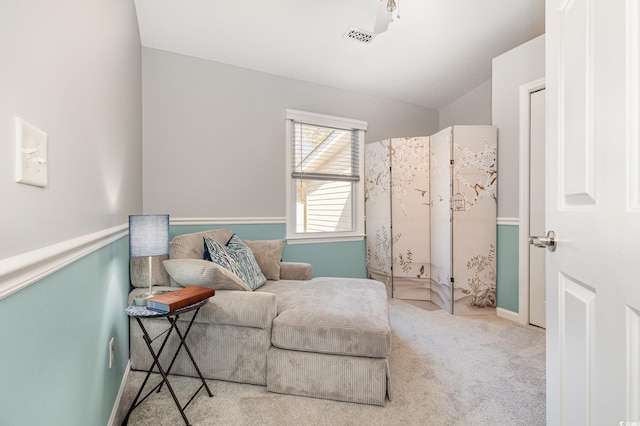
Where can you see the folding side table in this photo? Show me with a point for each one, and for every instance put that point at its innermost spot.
(141, 312)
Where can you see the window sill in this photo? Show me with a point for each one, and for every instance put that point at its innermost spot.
(323, 239)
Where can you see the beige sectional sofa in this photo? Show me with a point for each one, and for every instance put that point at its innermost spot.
(318, 337)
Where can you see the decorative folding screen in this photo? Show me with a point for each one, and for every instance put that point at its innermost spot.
(431, 217)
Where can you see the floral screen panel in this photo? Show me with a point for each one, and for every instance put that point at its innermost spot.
(410, 217)
(378, 211)
(441, 242)
(474, 218)
(431, 217)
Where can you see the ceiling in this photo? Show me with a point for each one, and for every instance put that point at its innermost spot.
(435, 52)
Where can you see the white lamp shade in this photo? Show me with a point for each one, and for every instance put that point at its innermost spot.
(148, 235)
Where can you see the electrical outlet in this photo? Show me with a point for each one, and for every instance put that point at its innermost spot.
(112, 351)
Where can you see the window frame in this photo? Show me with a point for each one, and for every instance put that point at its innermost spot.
(357, 234)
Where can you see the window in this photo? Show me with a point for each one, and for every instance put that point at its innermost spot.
(325, 196)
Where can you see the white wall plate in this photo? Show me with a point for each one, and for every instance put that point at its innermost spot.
(31, 154)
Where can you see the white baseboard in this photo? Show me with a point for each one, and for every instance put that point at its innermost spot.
(116, 404)
(506, 314)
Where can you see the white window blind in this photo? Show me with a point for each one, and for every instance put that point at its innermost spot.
(321, 152)
(325, 176)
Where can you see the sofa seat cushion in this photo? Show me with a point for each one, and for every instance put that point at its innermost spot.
(343, 316)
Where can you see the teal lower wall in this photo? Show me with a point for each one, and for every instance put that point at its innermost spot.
(507, 287)
(343, 259)
(54, 337)
(347, 259)
(261, 231)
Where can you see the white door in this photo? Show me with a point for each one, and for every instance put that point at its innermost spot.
(537, 278)
(593, 205)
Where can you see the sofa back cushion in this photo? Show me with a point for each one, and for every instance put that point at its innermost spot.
(191, 246)
(268, 254)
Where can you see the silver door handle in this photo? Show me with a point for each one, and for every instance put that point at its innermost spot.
(549, 241)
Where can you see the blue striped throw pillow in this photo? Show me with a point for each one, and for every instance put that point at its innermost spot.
(237, 258)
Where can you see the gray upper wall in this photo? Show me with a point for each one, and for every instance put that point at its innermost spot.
(472, 108)
(512, 69)
(214, 134)
(497, 102)
(73, 69)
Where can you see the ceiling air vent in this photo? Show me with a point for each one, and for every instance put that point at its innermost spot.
(359, 35)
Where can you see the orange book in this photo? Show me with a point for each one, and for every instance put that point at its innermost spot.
(169, 302)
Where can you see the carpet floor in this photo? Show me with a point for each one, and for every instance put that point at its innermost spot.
(445, 370)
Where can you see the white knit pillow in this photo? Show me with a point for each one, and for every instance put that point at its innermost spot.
(203, 273)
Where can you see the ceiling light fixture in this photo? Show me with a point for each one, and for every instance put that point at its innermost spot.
(383, 18)
(391, 5)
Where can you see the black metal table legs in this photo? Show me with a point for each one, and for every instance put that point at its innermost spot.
(173, 321)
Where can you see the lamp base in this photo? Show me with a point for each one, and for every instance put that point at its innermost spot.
(139, 271)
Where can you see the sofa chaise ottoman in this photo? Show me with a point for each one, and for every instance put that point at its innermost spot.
(318, 337)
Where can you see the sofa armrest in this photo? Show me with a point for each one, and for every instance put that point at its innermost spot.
(240, 309)
(230, 307)
(295, 271)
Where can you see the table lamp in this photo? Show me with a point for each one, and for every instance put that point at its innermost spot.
(148, 238)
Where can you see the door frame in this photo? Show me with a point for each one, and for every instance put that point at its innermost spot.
(524, 220)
